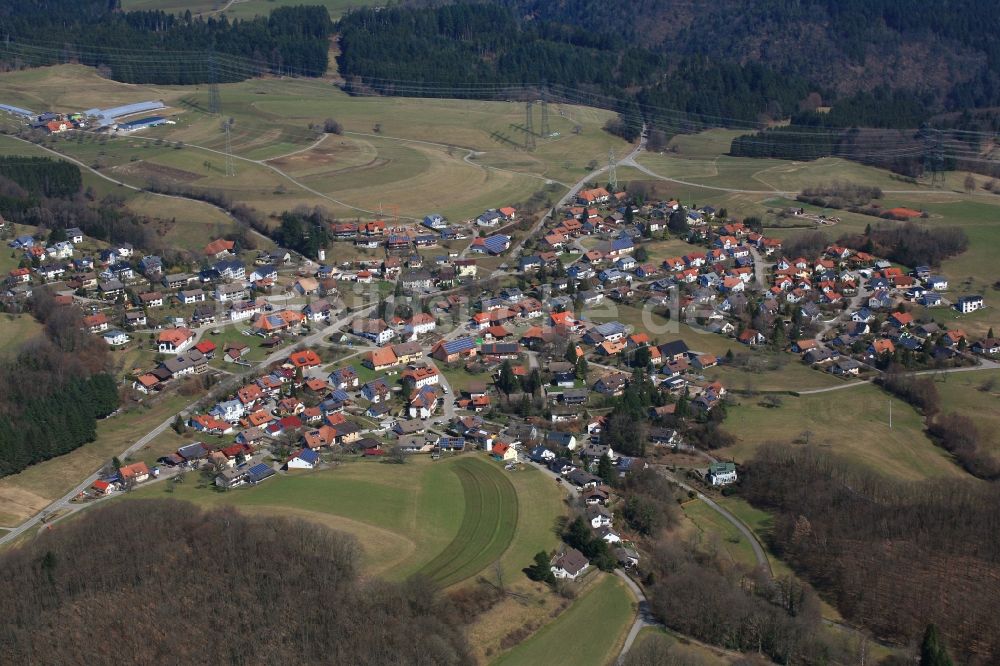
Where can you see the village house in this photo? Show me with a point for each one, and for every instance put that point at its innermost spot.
(569, 564)
(174, 340)
(375, 330)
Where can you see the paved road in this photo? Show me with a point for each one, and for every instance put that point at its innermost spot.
(758, 268)
(644, 618)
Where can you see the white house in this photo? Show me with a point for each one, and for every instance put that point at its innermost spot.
(175, 340)
(304, 459)
(721, 473)
(229, 410)
(967, 304)
(598, 516)
(569, 564)
(116, 338)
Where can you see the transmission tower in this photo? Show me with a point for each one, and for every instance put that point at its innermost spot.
(230, 165)
(933, 156)
(529, 127)
(214, 101)
(545, 129)
(612, 173)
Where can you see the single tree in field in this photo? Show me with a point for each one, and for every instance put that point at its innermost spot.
(970, 183)
(932, 649)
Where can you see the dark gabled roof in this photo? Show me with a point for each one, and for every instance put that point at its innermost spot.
(192, 451)
(571, 561)
(496, 348)
(673, 348)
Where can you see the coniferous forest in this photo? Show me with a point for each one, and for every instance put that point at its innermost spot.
(156, 47)
(54, 390)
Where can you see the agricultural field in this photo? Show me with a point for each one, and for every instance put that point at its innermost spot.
(852, 422)
(773, 371)
(682, 648)
(590, 632)
(389, 158)
(490, 517)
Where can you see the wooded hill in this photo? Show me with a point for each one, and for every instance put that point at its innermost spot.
(153, 582)
(827, 66)
(161, 48)
(891, 556)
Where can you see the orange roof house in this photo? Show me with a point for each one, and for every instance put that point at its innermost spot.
(306, 358)
(562, 318)
(383, 357)
(136, 471)
(219, 246)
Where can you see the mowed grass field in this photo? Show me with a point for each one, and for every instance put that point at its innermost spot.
(589, 633)
(718, 534)
(975, 395)
(447, 520)
(487, 526)
(852, 422)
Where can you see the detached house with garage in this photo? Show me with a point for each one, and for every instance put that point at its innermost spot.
(175, 340)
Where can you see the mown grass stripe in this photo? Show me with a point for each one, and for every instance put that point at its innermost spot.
(487, 526)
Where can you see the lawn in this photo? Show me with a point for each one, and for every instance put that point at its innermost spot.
(852, 422)
(977, 396)
(15, 330)
(30, 491)
(718, 532)
(788, 374)
(661, 329)
(402, 515)
(590, 632)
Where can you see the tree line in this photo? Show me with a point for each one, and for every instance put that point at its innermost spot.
(253, 590)
(161, 48)
(910, 244)
(54, 390)
(892, 555)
